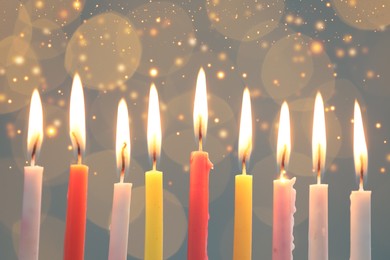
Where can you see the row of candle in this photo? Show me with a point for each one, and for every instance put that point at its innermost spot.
(284, 193)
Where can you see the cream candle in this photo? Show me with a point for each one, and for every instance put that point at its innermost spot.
(284, 195)
(242, 248)
(360, 199)
(154, 184)
(119, 228)
(318, 198)
(32, 190)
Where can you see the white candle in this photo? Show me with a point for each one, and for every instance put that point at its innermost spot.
(318, 222)
(318, 200)
(32, 191)
(284, 195)
(119, 229)
(361, 199)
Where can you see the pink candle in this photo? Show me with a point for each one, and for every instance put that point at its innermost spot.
(199, 179)
(32, 191)
(76, 211)
(284, 195)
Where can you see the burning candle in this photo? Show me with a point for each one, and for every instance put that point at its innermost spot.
(32, 191)
(200, 166)
(284, 194)
(78, 178)
(242, 249)
(318, 200)
(154, 184)
(360, 199)
(119, 229)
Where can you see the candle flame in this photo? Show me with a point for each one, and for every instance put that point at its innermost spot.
(35, 127)
(284, 139)
(359, 146)
(245, 137)
(77, 117)
(122, 139)
(200, 108)
(319, 137)
(154, 126)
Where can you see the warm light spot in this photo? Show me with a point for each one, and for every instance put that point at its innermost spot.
(180, 117)
(352, 52)
(378, 125)
(223, 133)
(316, 47)
(19, 60)
(347, 38)
(382, 170)
(320, 25)
(51, 131)
(76, 5)
(221, 75)
(216, 120)
(153, 32)
(153, 72)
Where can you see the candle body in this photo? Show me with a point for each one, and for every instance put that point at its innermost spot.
(318, 222)
(283, 219)
(242, 249)
(360, 225)
(153, 216)
(119, 228)
(76, 213)
(198, 216)
(31, 213)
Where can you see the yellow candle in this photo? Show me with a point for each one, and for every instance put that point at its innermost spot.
(242, 249)
(154, 215)
(243, 218)
(154, 185)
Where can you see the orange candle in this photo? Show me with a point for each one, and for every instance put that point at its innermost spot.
(78, 179)
(199, 179)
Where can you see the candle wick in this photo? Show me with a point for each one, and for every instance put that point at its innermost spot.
(79, 159)
(361, 174)
(200, 134)
(282, 163)
(123, 168)
(319, 165)
(243, 166)
(34, 151)
(154, 159)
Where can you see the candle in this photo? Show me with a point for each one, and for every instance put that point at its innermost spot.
(154, 184)
(360, 199)
(318, 199)
(284, 195)
(78, 178)
(32, 191)
(119, 229)
(242, 249)
(200, 166)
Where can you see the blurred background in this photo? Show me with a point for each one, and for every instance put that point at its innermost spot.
(281, 50)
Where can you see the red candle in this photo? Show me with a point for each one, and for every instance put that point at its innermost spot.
(78, 179)
(199, 179)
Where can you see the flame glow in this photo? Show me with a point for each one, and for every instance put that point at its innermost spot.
(284, 138)
(122, 147)
(359, 145)
(77, 116)
(154, 125)
(319, 137)
(245, 137)
(35, 127)
(200, 107)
